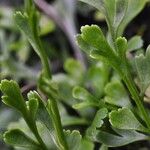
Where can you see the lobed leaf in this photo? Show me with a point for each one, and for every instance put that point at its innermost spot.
(73, 139)
(116, 94)
(133, 8)
(121, 44)
(125, 119)
(12, 95)
(135, 43)
(41, 113)
(97, 77)
(97, 122)
(33, 107)
(96, 3)
(87, 48)
(86, 98)
(103, 147)
(73, 67)
(22, 21)
(118, 13)
(16, 137)
(86, 144)
(94, 36)
(142, 64)
(124, 137)
(99, 45)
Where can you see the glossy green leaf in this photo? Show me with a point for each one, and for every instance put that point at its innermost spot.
(124, 137)
(142, 64)
(18, 138)
(116, 94)
(135, 43)
(12, 95)
(125, 119)
(73, 139)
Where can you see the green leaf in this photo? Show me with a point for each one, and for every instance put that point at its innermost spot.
(124, 137)
(86, 144)
(22, 21)
(97, 122)
(46, 25)
(96, 3)
(46, 136)
(48, 87)
(116, 94)
(73, 139)
(95, 38)
(17, 138)
(125, 119)
(71, 120)
(86, 98)
(27, 23)
(7, 116)
(42, 114)
(73, 67)
(103, 147)
(101, 114)
(118, 13)
(133, 8)
(33, 107)
(142, 64)
(135, 43)
(29, 6)
(121, 43)
(12, 95)
(87, 48)
(97, 77)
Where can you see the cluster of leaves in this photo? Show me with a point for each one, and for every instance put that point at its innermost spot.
(14, 47)
(106, 91)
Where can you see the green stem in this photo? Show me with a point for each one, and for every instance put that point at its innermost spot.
(43, 56)
(47, 73)
(54, 108)
(54, 112)
(32, 125)
(44, 60)
(38, 137)
(136, 97)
